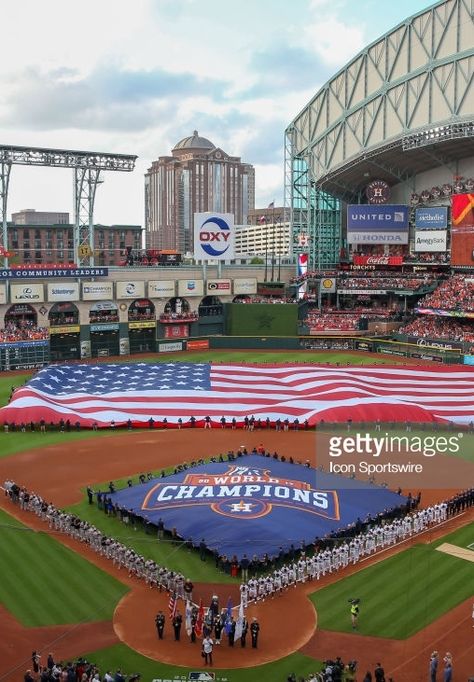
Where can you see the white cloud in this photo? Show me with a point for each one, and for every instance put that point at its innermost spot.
(334, 41)
(136, 76)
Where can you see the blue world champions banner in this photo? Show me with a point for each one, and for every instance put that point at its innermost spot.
(254, 504)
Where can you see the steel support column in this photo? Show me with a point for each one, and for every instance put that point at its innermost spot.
(85, 187)
(5, 168)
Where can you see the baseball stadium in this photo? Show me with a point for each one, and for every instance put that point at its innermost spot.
(210, 473)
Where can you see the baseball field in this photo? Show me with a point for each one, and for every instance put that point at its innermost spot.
(57, 595)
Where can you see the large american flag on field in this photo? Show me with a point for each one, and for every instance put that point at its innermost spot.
(178, 391)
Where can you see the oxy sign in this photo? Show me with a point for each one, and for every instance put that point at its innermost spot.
(213, 236)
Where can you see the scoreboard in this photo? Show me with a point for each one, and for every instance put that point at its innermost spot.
(24, 355)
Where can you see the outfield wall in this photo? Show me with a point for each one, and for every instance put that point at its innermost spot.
(31, 355)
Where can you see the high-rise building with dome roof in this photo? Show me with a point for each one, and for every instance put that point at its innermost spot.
(197, 177)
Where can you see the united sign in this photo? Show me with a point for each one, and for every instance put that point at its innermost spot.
(253, 504)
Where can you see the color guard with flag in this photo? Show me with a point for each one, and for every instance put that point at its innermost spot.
(188, 618)
(239, 625)
(172, 604)
(228, 617)
(198, 628)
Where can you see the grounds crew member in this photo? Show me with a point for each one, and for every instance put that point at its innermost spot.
(354, 612)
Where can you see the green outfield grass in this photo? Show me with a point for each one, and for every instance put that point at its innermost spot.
(45, 583)
(129, 661)
(175, 557)
(11, 443)
(463, 537)
(399, 596)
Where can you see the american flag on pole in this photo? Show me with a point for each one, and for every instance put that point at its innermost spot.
(198, 628)
(140, 391)
(172, 604)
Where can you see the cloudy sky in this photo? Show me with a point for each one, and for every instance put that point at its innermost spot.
(136, 76)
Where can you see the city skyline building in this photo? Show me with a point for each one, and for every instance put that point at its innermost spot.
(30, 216)
(197, 177)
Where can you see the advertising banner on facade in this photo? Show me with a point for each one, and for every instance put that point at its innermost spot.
(377, 260)
(161, 288)
(130, 289)
(97, 291)
(63, 291)
(3, 294)
(431, 240)
(65, 329)
(328, 285)
(218, 287)
(199, 344)
(434, 343)
(462, 229)
(302, 264)
(386, 224)
(176, 331)
(245, 285)
(146, 324)
(26, 293)
(48, 273)
(173, 347)
(213, 236)
(104, 327)
(365, 292)
(431, 218)
(190, 287)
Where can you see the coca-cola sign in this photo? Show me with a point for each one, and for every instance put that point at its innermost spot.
(377, 260)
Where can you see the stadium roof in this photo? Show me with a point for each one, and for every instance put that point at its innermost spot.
(403, 105)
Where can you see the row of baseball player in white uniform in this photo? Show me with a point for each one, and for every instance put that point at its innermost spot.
(329, 560)
(121, 556)
(350, 551)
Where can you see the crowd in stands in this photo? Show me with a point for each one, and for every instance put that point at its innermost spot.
(436, 258)
(343, 322)
(22, 330)
(60, 319)
(432, 327)
(137, 315)
(400, 250)
(377, 282)
(264, 299)
(353, 319)
(79, 670)
(377, 279)
(189, 316)
(100, 316)
(313, 274)
(381, 250)
(456, 293)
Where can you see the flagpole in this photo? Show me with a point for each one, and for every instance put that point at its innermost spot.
(273, 242)
(266, 249)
